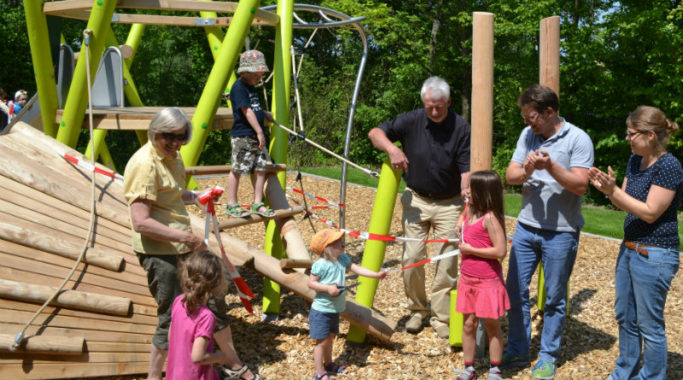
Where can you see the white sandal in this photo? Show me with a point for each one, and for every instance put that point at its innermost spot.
(237, 373)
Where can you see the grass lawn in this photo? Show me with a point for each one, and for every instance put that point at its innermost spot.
(599, 220)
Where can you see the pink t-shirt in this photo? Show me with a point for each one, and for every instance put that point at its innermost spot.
(184, 330)
(476, 235)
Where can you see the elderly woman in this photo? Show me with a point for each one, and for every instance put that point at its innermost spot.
(648, 258)
(154, 187)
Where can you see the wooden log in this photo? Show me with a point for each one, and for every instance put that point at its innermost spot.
(293, 263)
(255, 218)
(289, 232)
(71, 299)
(549, 53)
(369, 320)
(225, 169)
(57, 345)
(482, 91)
(22, 232)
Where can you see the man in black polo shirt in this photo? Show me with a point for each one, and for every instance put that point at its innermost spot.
(436, 163)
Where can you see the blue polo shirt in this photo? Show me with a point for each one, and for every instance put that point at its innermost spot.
(545, 203)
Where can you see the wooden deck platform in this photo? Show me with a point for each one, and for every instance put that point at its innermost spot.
(138, 118)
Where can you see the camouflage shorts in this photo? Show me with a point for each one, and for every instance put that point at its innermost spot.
(246, 157)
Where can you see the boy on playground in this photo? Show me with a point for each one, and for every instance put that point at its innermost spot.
(328, 276)
(249, 151)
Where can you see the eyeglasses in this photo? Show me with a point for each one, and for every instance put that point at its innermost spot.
(174, 137)
(531, 117)
(631, 134)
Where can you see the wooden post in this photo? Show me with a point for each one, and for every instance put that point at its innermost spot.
(482, 91)
(549, 53)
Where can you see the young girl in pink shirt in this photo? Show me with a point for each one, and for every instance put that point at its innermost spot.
(481, 289)
(190, 353)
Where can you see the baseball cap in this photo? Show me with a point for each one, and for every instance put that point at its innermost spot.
(323, 238)
(252, 61)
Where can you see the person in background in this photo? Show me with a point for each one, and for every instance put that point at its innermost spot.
(435, 160)
(247, 137)
(551, 162)
(327, 278)
(481, 290)
(191, 350)
(154, 187)
(20, 99)
(648, 257)
(4, 110)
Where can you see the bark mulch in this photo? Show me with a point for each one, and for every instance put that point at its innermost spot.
(283, 350)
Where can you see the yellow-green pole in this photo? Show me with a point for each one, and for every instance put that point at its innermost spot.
(36, 25)
(455, 322)
(282, 69)
(214, 36)
(218, 79)
(133, 40)
(373, 255)
(74, 110)
(105, 156)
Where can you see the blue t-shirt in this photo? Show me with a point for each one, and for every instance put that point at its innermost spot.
(545, 203)
(244, 95)
(330, 272)
(666, 172)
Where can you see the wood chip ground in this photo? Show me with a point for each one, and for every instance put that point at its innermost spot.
(283, 350)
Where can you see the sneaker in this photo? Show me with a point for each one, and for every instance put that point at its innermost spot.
(415, 323)
(509, 360)
(494, 374)
(543, 370)
(466, 374)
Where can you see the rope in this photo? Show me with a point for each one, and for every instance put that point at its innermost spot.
(20, 336)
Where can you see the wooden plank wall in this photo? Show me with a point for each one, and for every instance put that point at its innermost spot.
(44, 217)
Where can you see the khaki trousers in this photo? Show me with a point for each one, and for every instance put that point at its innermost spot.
(421, 214)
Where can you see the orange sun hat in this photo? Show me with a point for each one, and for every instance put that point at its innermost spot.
(323, 238)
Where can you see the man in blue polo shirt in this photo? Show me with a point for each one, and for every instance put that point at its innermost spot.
(551, 163)
(435, 160)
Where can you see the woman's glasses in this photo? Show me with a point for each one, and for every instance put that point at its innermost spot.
(631, 134)
(174, 137)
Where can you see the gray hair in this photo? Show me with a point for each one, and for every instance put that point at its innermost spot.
(170, 119)
(437, 87)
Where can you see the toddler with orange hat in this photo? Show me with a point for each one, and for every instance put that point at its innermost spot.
(327, 278)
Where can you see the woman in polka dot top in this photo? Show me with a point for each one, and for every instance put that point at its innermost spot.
(649, 258)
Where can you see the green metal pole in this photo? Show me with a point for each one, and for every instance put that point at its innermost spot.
(36, 25)
(373, 255)
(214, 36)
(282, 75)
(133, 40)
(218, 79)
(74, 110)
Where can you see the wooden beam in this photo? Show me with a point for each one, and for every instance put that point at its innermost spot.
(255, 218)
(57, 345)
(138, 118)
(225, 169)
(293, 263)
(71, 299)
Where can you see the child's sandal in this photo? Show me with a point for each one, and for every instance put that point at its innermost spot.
(324, 376)
(237, 373)
(268, 213)
(236, 211)
(335, 368)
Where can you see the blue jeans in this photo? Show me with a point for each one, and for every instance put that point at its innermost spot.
(557, 251)
(642, 283)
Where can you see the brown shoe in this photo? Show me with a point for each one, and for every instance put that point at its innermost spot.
(442, 330)
(415, 323)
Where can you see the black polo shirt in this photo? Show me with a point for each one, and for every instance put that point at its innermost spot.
(437, 153)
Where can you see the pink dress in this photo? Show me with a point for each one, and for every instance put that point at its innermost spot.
(481, 289)
(184, 330)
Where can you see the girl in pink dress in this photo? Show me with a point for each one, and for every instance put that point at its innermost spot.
(481, 289)
(190, 353)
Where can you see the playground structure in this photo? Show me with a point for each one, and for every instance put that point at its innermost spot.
(53, 341)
